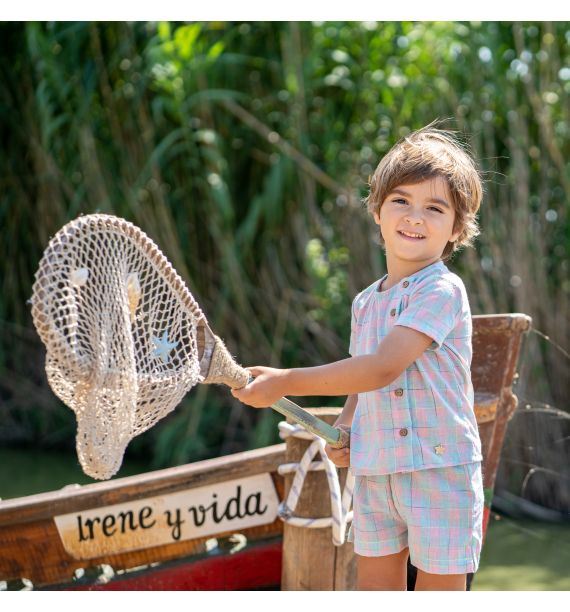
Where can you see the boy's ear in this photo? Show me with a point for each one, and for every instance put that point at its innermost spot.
(455, 236)
(376, 217)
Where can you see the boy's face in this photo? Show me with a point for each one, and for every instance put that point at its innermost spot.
(423, 209)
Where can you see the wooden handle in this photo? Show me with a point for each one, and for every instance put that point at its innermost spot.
(224, 370)
(344, 439)
(337, 437)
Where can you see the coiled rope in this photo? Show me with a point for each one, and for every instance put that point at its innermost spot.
(340, 504)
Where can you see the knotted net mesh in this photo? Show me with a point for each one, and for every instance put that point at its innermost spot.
(121, 334)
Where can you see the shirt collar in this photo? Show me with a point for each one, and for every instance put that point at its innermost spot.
(413, 278)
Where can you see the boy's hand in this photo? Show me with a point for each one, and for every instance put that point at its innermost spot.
(339, 456)
(267, 387)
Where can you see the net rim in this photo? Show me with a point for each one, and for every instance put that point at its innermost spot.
(101, 222)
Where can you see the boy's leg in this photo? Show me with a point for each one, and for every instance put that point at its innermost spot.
(440, 582)
(444, 511)
(380, 536)
(387, 573)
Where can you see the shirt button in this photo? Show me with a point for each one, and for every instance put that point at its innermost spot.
(399, 392)
(405, 283)
(393, 312)
(403, 432)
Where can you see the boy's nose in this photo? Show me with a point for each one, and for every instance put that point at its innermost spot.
(414, 218)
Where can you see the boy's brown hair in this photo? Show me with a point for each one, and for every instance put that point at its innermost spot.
(425, 154)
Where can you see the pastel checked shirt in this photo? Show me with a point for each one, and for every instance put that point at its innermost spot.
(425, 417)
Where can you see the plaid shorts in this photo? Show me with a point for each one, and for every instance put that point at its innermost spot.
(437, 513)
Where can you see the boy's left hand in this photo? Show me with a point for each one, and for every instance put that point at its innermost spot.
(339, 456)
(267, 387)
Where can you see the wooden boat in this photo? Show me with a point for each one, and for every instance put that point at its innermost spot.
(214, 525)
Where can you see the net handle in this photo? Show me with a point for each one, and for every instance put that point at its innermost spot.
(223, 369)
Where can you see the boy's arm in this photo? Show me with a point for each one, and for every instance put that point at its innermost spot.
(347, 414)
(401, 347)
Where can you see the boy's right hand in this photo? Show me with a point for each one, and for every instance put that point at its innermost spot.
(264, 389)
(339, 456)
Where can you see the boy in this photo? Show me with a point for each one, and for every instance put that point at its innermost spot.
(415, 449)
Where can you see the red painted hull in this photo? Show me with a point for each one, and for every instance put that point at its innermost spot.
(255, 568)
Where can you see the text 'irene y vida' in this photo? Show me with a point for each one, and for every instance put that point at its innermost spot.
(217, 511)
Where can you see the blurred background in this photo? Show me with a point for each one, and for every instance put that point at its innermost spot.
(244, 150)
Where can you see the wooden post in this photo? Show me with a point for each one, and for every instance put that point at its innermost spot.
(311, 562)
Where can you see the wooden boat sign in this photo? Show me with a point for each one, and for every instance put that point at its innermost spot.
(227, 506)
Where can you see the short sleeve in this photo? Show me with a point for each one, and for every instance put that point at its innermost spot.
(433, 309)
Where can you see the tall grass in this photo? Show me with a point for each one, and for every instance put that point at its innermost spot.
(244, 151)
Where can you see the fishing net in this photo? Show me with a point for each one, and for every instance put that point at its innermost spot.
(126, 340)
(121, 334)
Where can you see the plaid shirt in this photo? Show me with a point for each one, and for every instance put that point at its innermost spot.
(425, 417)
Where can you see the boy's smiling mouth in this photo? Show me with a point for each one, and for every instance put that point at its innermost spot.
(411, 235)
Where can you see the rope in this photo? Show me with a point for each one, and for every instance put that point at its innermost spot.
(340, 504)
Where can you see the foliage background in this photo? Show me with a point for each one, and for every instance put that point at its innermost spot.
(244, 150)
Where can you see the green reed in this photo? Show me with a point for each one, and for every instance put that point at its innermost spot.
(244, 151)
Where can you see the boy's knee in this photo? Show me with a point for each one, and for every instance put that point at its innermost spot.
(386, 573)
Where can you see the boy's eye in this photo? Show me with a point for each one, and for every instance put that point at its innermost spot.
(403, 201)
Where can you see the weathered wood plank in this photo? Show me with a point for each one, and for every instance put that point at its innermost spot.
(311, 562)
(496, 346)
(34, 551)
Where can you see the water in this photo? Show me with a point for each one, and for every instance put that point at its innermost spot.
(30, 471)
(524, 555)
